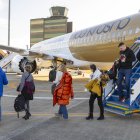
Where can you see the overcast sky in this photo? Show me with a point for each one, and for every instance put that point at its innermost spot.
(83, 14)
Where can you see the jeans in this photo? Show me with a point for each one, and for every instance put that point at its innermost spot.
(127, 74)
(0, 109)
(63, 111)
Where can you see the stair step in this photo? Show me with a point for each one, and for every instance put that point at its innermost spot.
(120, 104)
(114, 111)
(115, 96)
(135, 79)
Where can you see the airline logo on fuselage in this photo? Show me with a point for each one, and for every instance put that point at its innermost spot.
(104, 28)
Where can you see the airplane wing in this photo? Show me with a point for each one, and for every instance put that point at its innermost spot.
(12, 49)
(59, 56)
(34, 53)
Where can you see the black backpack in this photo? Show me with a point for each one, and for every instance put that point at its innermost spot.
(19, 104)
(52, 75)
(112, 73)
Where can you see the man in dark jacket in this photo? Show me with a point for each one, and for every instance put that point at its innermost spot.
(3, 81)
(125, 70)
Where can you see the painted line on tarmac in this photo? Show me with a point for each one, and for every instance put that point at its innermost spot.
(45, 98)
(53, 115)
(82, 91)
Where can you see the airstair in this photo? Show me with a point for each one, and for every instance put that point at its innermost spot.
(7, 60)
(111, 97)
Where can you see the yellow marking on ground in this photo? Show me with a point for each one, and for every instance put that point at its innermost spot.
(53, 115)
(118, 107)
(12, 85)
(132, 111)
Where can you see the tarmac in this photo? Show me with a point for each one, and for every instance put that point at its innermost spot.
(43, 125)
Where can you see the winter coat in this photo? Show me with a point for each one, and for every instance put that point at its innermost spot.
(130, 57)
(3, 81)
(96, 85)
(64, 91)
(26, 76)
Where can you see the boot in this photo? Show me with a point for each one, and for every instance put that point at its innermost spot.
(101, 117)
(27, 115)
(90, 117)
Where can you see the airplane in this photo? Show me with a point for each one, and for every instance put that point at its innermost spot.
(97, 44)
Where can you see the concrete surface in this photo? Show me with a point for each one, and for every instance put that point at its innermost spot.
(43, 125)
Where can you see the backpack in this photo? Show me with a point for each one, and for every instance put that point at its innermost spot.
(112, 73)
(52, 75)
(19, 104)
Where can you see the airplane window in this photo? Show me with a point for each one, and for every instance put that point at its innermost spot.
(96, 38)
(124, 33)
(92, 40)
(84, 40)
(137, 30)
(113, 35)
(118, 35)
(130, 31)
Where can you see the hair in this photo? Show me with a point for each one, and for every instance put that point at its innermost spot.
(62, 68)
(28, 68)
(93, 67)
(120, 44)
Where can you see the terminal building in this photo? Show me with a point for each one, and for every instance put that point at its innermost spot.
(55, 25)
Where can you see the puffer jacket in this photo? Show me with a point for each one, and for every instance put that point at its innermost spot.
(64, 91)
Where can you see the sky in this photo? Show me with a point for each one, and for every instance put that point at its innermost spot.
(83, 14)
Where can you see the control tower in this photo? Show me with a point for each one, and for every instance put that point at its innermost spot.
(55, 25)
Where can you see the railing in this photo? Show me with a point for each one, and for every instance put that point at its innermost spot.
(6, 60)
(135, 48)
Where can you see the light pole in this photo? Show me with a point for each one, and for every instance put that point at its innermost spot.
(9, 9)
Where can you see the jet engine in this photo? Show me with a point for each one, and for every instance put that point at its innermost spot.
(18, 63)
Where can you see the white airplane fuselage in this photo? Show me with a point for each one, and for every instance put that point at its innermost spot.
(97, 44)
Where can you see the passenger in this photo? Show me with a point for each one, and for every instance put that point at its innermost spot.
(96, 90)
(52, 77)
(125, 70)
(27, 77)
(3, 81)
(138, 55)
(63, 91)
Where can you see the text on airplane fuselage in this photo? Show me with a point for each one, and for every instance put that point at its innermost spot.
(105, 28)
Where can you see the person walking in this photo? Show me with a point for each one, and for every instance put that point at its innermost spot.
(125, 70)
(3, 81)
(63, 91)
(27, 89)
(95, 88)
